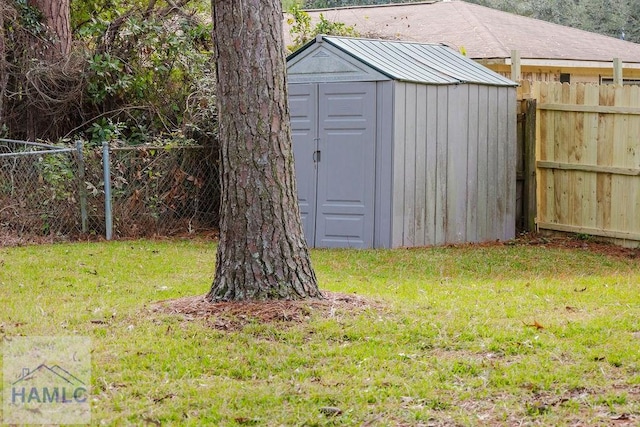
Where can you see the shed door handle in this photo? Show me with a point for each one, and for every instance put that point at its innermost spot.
(316, 156)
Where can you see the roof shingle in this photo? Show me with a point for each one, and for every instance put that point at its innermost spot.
(483, 32)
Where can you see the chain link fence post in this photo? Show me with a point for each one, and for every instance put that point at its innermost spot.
(108, 212)
(82, 187)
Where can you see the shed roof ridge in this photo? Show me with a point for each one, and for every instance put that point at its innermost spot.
(416, 60)
(388, 41)
(390, 73)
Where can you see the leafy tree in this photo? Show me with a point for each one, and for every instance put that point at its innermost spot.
(262, 252)
(136, 68)
(302, 31)
(289, 4)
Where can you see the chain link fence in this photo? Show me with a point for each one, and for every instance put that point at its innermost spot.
(57, 193)
(38, 192)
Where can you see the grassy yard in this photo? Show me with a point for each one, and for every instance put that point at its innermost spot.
(510, 334)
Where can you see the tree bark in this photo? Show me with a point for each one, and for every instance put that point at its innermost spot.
(262, 253)
(56, 17)
(4, 71)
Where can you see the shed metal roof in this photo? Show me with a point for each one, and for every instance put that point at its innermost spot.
(414, 62)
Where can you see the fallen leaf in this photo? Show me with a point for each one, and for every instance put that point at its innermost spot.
(535, 324)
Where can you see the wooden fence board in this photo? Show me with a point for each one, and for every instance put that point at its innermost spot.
(588, 158)
(562, 132)
(616, 145)
(633, 160)
(546, 211)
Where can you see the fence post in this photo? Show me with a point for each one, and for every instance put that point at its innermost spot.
(83, 188)
(108, 218)
(516, 74)
(617, 72)
(530, 181)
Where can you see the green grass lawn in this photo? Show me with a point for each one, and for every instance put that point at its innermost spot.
(450, 338)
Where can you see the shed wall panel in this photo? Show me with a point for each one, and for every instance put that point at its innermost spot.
(458, 122)
(472, 163)
(384, 155)
(430, 146)
(399, 143)
(482, 213)
(442, 136)
(454, 164)
(420, 193)
(492, 164)
(410, 154)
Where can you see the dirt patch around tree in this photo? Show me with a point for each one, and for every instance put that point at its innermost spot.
(235, 315)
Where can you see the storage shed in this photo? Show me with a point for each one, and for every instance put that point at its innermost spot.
(400, 144)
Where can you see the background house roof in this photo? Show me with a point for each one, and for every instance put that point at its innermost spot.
(483, 32)
(412, 62)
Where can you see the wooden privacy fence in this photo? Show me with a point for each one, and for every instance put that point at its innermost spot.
(588, 158)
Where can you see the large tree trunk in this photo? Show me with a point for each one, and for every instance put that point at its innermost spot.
(262, 252)
(4, 71)
(56, 17)
(52, 47)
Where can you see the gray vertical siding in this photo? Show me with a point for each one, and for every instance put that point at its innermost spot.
(483, 212)
(458, 121)
(441, 142)
(384, 154)
(399, 147)
(473, 136)
(453, 164)
(410, 155)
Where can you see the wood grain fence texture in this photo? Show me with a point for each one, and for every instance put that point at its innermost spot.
(588, 159)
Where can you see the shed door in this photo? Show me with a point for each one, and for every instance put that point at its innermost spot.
(303, 103)
(334, 128)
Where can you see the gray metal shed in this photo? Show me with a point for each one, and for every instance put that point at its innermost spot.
(401, 144)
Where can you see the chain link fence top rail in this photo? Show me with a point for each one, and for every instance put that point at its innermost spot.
(56, 193)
